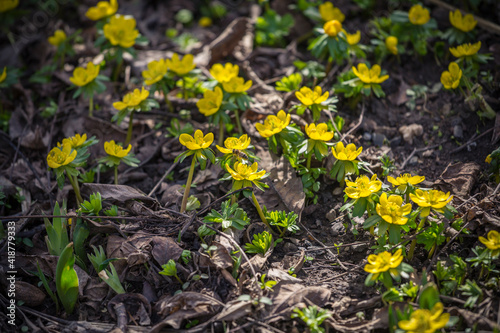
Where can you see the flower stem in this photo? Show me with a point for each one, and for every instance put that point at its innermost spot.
(308, 163)
(63, 60)
(414, 242)
(184, 91)
(116, 174)
(129, 131)
(76, 189)
(259, 210)
(188, 186)
(328, 67)
(91, 106)
(238, 122)
(221, 132)
(167, 101)
(117, 71)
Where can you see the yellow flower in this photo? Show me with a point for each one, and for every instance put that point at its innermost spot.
(224, 73)
(391, 43)
(464, 23)
(236, 85)
(465, 50)
(181, 66)
(60, 156)
(6, 5)
(211, 101)
(245, 172)
(419, 15)
(58, 38)
(3, 76)
(121, 31)
(426, 321)
(132, 99)
(102, 10)
(332, 28)
(83, 76)
(430, 199)
(75, 141)
(371, 75)
(310, 97)
(205, 22)
(451, 78)
(155, 72)
(487, 160)
(116, 150)
(231, 143)
(329, 12)
(353, 39)
(391, 209)
(319, 133)
(383, 262)
(198, 141)
(493, 241)
(403, 180)
(273, 124)
(348, 153)
(362, 187)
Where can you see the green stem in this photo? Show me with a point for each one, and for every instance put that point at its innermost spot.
(328, 67)
(221, 132)
(188, 185)
(117, 71)
(178, 279)
(308, 163)
(238, 123)
(414, 242)
(63, 60)
(129, 131)
(91, 106)
(116, 174)
(184, 91)
(431, 252)
(259, 210)
(167, 101)
(233, 199)
(76, 189)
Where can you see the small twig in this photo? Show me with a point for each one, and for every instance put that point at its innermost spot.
(336, 246)
(258, 322)
(496, 190)
(360, 121)
(475, 137)
(161, 179)
(417, 150)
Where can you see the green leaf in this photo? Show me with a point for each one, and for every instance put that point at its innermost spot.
(67, 279)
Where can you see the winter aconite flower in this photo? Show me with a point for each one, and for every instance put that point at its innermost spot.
(58, 38)
(236, 85)
(310, 97)
(419, 15)
(329, 12)
(211, 102)
(233, 143)
(430, 199)
(348, 153)
(102, 9)
(273, 124)
(181, 66)
(332, 28)
(224, 73)
(391, 43)
(463, 23)
(363, 187)
(493, 242)
(392, 209)
(6, 5)
(113, 149)
(121, 31)
(75, 141)
(132, 99)
(197, 142)
(465, 50)
(488, 158)
(155, 72)
(383, 262)
(353, 39)
(451, 78)
(319, 132)
(369, 75)
(60, 156)
(205, 22)
(402, 181)
(83, 76)
(246, 174)
(426, 321)
(3, 76)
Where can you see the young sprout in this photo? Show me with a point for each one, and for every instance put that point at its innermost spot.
(170, 269)
(237, 88)
(88, 81)
(261, 243)
(314, 100)
(312, 316)
(157, 77)
(199, 146)
(317, 142)
(346, 163)
(102, 10)
(385, 267)
(182, 68)
(423, 320)
(116, 154)
(134, 101)
(277, 131)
